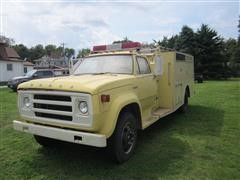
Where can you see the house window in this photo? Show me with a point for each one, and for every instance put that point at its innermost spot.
(9, 67)
(25, 69)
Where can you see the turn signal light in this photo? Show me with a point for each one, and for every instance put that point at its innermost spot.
(105, 98)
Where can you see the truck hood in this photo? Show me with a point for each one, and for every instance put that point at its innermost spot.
(91, 84)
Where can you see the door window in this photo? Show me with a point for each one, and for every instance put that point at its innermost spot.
(143, 66)
(47, 73)
(158, 66)
(39, 73)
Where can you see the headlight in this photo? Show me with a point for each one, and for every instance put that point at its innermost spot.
(83, 107)
(26, 102)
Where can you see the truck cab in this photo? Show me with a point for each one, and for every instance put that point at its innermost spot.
(114, 92)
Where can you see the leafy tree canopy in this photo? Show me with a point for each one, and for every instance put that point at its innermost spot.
(83, 52)
(7, 40)
(212, 54)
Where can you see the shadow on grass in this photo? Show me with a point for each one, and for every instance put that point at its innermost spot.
(199, 120)
(160, 151)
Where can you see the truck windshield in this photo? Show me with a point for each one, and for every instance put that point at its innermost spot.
(116, 64)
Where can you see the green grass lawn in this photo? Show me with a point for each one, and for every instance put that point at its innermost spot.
(201, 144)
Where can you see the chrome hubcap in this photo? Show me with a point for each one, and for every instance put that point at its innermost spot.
(128, 138)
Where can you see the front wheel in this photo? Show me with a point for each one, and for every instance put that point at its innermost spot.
(124, 139)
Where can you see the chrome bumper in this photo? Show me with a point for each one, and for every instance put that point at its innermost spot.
(90, 139)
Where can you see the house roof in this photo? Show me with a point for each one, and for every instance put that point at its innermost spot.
(11, 53)
(8, 53)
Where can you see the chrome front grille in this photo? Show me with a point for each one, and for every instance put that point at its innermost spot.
(52, 97)
(53, 106)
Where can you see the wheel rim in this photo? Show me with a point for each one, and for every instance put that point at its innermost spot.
(128, 138)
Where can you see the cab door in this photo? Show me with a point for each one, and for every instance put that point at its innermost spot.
(146, 87)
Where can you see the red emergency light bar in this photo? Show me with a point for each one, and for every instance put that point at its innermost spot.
(117, 47)
(128, 45)
(99, 48)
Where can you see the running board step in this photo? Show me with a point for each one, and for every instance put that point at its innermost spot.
(161, 112)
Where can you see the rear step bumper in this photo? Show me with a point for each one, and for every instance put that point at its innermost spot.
(90, 139)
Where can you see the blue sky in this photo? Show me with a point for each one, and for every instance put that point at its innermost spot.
(81, 24)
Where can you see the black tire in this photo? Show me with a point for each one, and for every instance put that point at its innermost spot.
(45, 142)
(124, 139)
(200, 80)
(184, 107)
(14, 89)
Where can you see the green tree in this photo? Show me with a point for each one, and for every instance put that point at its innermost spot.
(163, 42)
(239, 30)
(206, 46)
(172, 42)
(60, 50)
(229, 47)
(22, 51)
(125, 39)
(37, 52)
(209, 55)
(187, 40)
(50, 48)
(7, 40)
(69, 52)
(232, 51)
(83, 52)
(235, 61)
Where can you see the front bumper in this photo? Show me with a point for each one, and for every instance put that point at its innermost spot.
(90, 139)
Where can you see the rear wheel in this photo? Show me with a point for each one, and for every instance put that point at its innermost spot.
(124, 139)
(184, 107)
(44, 141)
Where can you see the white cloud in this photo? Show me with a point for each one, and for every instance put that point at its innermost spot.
(56, 22)
(82, 25)
(163, 21)
(217, 21)
(154, 34)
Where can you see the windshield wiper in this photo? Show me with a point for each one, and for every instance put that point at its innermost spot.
(94, 73)
(102, 73)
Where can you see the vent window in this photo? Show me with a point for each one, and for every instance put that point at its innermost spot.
(180, 57)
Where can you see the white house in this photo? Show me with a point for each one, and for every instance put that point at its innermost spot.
(27, 66)
(10, 64)
(55, 61)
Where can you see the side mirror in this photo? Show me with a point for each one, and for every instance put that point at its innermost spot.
(158, 66)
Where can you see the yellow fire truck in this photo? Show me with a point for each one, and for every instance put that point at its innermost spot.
(114, 92)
